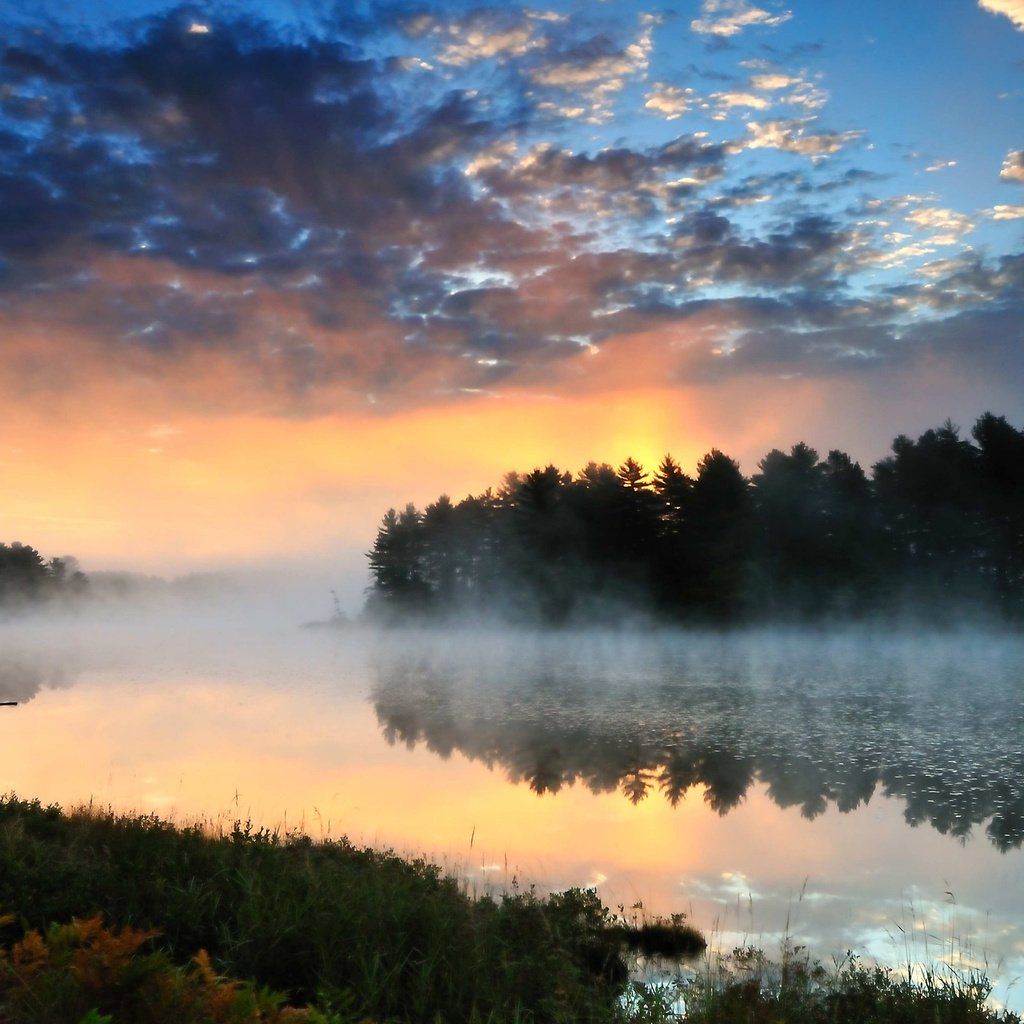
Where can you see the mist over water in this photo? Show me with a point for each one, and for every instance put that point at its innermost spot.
(721, 773)
(821, 719)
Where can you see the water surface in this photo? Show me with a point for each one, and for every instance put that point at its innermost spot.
(859, 791)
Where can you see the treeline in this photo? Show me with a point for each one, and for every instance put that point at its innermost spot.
(938, 527)
(26, 578)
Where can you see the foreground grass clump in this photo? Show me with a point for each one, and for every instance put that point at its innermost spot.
(671, 938)
(355, 931)
(749, 988)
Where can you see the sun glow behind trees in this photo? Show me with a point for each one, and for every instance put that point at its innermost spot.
(938, 532)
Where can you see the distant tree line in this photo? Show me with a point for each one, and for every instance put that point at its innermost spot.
(937, 527)
(26, 578)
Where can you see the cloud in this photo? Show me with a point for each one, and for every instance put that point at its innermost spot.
(726, 18)
(594, 70)
(484, 34)
(741, 99)
(1013, 166)
(1012, 9)
(229, 192)
(672, 101)
(973, 332)
(800, 252)
(901, 230)
(248, 220)
(773, 81)
(793, 136)
(851, 177)
(1005, 212)
(936, 219)
(940, 165)
(795, 90)
(568, 181)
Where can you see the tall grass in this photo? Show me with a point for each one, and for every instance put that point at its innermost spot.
(386, 938)
(747, 986)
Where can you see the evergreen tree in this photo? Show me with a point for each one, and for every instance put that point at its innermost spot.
(24, 574)
(941, 525)
(720, 532)
(397, 564)
(929, 503)
(1001, 467)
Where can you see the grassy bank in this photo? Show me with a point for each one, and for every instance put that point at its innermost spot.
(111, 918)
(366, 932)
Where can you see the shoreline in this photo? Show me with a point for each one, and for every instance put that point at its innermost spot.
(401, 938)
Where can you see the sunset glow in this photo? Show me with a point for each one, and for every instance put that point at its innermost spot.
(572, 447)
(264, 276)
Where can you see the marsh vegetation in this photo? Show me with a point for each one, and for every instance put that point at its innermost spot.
(117, 919)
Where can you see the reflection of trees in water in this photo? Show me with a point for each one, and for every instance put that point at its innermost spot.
(953, 755)
(23, 675)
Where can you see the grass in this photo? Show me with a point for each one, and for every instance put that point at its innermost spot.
(108, 918)
(746, 986)
(382, 937)
(668, 938)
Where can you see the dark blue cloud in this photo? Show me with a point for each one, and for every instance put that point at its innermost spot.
(252, 174)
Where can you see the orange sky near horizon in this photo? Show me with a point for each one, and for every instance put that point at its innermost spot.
(142, 491)
(162, 487)
(239, 321)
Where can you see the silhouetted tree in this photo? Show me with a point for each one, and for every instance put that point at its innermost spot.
(598, 508)
(26, 578)
(928, 494)
(442, 566)
(67, 576)
(24, 575)
(720, 531)
(853, 540)
(673, 575)
(940, 528)
(791, 532)
(674, 489)
(544, 573)
(479, 546)
(1001, 465)
(635, 514)
(397, 564)
(632, 475)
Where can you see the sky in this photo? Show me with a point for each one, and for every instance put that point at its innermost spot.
(267, 269)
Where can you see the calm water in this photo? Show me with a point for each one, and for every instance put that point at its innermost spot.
(862, 792)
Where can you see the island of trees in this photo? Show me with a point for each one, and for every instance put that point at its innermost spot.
(937, 529)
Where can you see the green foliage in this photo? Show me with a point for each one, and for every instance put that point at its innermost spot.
(95, 1017)
(363, 932)
(328, 934)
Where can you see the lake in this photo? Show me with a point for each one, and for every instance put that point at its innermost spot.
(856, 791)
